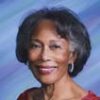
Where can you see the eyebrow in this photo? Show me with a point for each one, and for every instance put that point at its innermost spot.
(35, 40)
(55, 41)
(52, 41)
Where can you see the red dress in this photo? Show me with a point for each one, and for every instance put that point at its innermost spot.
(89, 96)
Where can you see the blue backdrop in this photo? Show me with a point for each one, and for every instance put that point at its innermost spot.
(16, 77)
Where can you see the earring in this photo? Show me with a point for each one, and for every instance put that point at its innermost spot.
(71, 67)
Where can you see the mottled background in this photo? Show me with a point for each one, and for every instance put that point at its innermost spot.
(16, 77)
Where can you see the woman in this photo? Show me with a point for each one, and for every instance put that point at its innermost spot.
(55, 45)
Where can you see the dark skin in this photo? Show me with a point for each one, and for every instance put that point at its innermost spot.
(49, 56)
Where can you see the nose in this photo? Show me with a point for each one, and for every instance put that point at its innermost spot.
(45, 55)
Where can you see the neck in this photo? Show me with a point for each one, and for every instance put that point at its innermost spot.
(65, 87)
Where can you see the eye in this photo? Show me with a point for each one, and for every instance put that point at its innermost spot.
(35, 46)
(55, 46)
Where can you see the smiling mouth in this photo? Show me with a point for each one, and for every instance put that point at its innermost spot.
(45, 70)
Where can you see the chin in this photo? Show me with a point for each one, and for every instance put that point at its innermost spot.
(47, 79)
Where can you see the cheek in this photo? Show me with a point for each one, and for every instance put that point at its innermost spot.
(33, 56)
(62, 58)
(62, 64)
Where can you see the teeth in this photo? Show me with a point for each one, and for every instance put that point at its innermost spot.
(46, 69)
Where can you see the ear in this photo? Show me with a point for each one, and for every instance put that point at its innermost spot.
(72, 57)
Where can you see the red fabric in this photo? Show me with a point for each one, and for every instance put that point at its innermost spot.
(23, 96)
(90, 96)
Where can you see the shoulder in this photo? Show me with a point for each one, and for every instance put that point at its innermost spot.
(91, 96)
(29, 93)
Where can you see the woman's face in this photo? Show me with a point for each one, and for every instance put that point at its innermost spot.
(49, 54)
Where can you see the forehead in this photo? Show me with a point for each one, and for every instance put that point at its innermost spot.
(45, 31)
(45, 26)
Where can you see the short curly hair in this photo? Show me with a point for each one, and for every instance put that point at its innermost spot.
(67, 25)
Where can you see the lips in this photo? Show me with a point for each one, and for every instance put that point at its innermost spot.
(46, 69)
